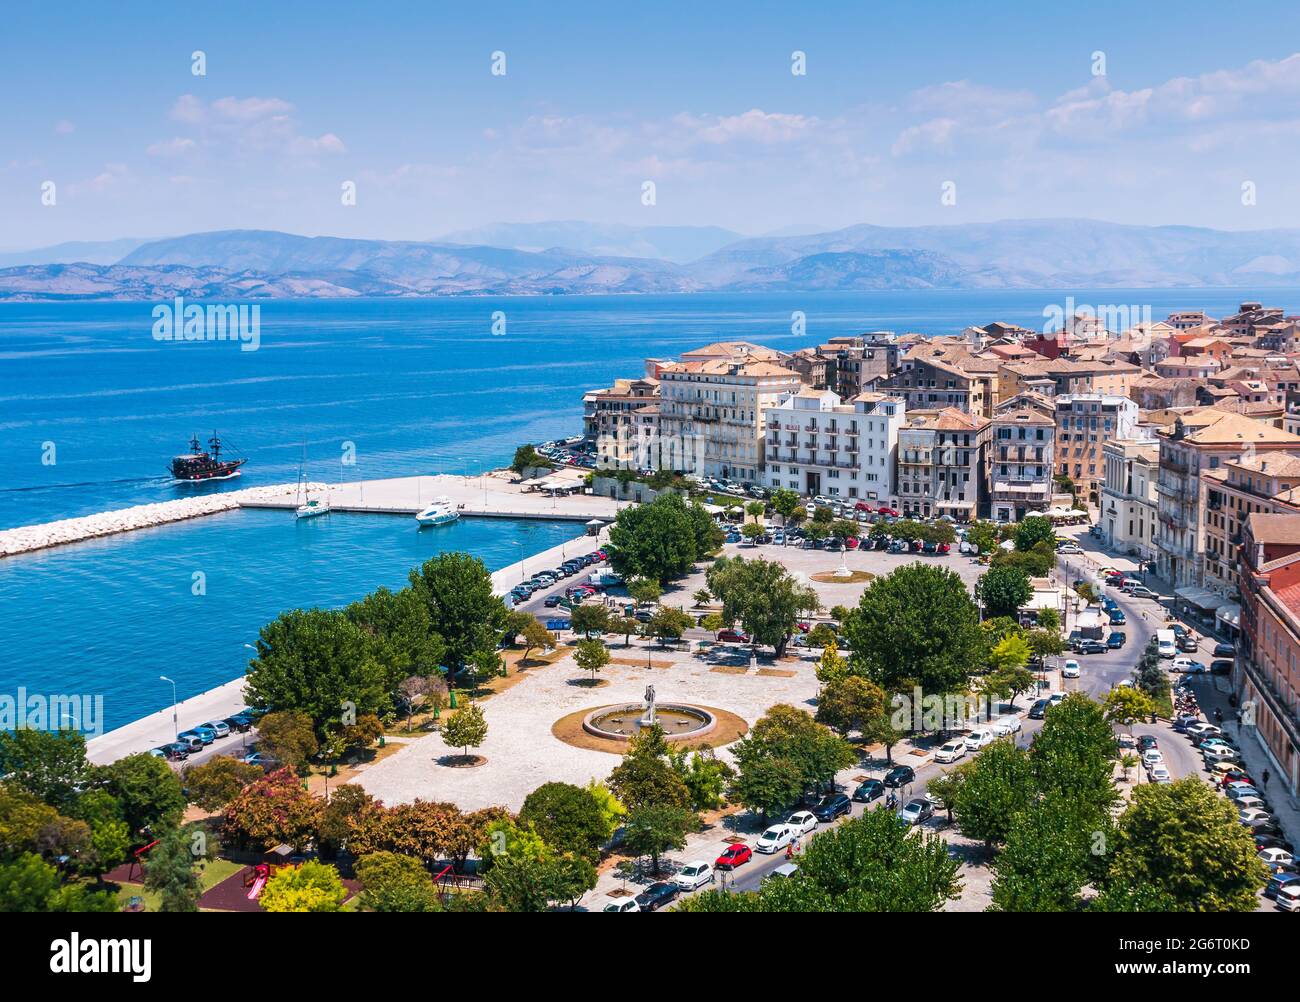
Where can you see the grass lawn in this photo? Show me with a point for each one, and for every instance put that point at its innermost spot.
(211, 873)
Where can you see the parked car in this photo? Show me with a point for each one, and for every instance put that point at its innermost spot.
(624, 905)
(900, 775)
(951, 751)
(1070, 548)
(1288, 897)
(192, 742)
(694, 875)
(1221, 667)
(1038, 710)
(832, 806)
(218, 727)
(1141, 591)
(1280, 879)
(869, 790)
(1222, 650)
(733, 856)
(1159, 774)
(204, 734)
(175, 751)
(1187, 666)
(979, 738)
(1220, 753)
(1153, 757)
(802, 822)
(775, 839)
(733, 637)
(1091, 647)
(1004, 726)
(240, 722)
(657, 895)
(1116, 640)
(916, 811)
(1254, 817)
(1117, 617)
(1187, 644)
(1070, 669)
(263, 759)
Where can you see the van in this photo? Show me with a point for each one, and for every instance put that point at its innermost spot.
(1166, 644)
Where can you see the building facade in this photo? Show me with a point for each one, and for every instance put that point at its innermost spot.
(1267, 671)
(942, 459)
(1085, 422)
(817, 444)
(1128, 496)
(1022, 459)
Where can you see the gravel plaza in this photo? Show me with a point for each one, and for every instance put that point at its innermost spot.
(522, 752)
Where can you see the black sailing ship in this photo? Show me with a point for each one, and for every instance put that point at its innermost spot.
(200, 465)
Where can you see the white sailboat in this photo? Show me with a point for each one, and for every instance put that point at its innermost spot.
(310, 507)
(439, 511)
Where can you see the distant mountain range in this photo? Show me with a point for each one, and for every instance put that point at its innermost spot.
(570, 258)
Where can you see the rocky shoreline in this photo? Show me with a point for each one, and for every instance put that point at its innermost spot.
(29, 538)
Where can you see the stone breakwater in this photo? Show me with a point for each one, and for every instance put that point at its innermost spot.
(27, 538)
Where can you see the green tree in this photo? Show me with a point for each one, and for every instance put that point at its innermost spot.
(645, 776)
(706, 776)
(50, 765)
(403, 638)
(535, 637)
(169, 872)
(316, 661)
(591, 656)
(645, 591)
(288, 737)
(653, 829)
(668, 623)
(756, 509)
(875, 863)
(527, 457)
(821, 636)
(1126, 705)
(762, 596)
(456, 588)
(998, 785)
(659, 540)
(1032, 530)
(589, 619)
(702, 597)
(311, 887)
(1003, 590)
(809, 754)
(1048, 857)
(146, 789)
(832, 667)
(751, 531)
(916, 626)
(567, 817)
(110, 840)
(1049, 620)
(850, 704)
(29, 884)
(216, 782)
(626, 625)
(784, 502)
(983, 536)
(529, 884)
(391, 882)
(1074, 753)
(1182, 842)
(466, 729)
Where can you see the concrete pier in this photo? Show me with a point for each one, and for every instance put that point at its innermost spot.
(491, 495)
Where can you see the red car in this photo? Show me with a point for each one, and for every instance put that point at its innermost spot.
(1232, 777)
(733, 856)
(851, 542)
(862, 506)
(889, 511)
(944, 548)
(733, 637)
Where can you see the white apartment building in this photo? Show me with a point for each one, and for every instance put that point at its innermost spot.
(711, 415)
(1022, 459)
(817, 444)
(1129, 506)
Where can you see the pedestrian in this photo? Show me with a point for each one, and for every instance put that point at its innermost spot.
(1218, 715)
(1266, 777)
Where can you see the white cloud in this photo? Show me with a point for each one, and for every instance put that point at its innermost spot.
(250, 125)
(64, 128)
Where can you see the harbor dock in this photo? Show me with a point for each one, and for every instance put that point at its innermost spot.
(496, 494)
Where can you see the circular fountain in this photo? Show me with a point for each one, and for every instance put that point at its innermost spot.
(621, 722)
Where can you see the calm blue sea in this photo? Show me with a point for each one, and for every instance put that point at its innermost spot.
(416, 386)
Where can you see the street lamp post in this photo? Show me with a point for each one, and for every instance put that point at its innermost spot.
(175, 729)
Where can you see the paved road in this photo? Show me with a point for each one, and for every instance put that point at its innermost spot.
(1099, 673)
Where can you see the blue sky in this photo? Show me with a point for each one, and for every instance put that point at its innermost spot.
(1000, 99)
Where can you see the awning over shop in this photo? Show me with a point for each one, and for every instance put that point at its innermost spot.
(1229, 614)
(1202, 598)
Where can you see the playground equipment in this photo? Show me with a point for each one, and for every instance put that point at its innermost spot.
(256, 876)
(137, 859)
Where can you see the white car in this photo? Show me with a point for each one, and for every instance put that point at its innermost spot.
(775, 838)
(802, 822)
(951, 751)
(1201, 731)
(978, 738)
(1254, 817)
(1219, 753)
(1056, 698)
(1159, 774)
(1152, 757)
(626, 905)
(1005, 726)
(1069, 548)
(1187, 666)
(1070, 669)
(1288, 897)
(694, 875)
(1248, 801)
